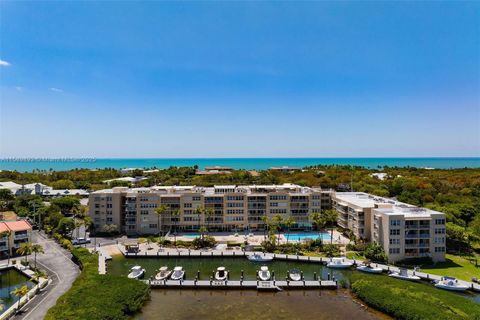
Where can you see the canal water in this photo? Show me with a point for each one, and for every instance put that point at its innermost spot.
(11, 279)
(247, 304)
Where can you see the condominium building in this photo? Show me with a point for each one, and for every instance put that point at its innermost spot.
(133, 210)
(12, 234)
(404, 231)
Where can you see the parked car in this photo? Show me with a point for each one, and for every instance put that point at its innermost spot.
(80, 241)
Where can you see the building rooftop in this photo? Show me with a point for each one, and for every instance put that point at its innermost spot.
(19, 225)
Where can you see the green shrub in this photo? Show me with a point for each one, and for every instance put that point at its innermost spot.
(412, 301)
(375, 253)
(331, 250)
(206, 242)
(97, 297)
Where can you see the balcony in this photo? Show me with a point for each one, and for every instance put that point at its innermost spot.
(3, 248)
(20, 236)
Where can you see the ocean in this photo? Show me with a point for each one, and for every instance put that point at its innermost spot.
(26, 164)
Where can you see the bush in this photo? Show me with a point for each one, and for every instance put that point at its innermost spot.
(331, 250)
(206, 242)
(412, 301)
(375, 253)
(97, 297)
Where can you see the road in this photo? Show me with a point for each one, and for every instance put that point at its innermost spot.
(61, 270)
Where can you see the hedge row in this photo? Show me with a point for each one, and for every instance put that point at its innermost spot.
(93, 296)
(412, 301)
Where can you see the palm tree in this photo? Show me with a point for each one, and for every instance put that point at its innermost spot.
(264, 219)
(289, 222)
(19, 293)
(319, 221)
(87, 222)
(199, 211)
(160, 211)
(175, 213)
(37, 248)
(6, 234)
(202, 231)
(277, 221)
(209, 213)
(330, 218)
(25, 249)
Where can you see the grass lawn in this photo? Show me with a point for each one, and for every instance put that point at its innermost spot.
(354, 255)
(460, 267)
(412, 301)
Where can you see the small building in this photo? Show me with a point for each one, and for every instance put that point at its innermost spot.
(284, 169)
(53, 193)
(215, 170)
(14, 233)
(132, 180)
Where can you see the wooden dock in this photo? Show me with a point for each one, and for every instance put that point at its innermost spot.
(247, 284)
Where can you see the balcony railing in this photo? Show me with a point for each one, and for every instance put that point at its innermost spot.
(20, 236)
(3, 248)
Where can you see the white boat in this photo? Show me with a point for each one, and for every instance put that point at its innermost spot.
(369, 269)
(163, 273)
(178, 273)
(264, 274)
(450, 283)
(136, 272)
(403, 274)
(339, 263)
(221, 274)
(260, 258)
(295, 275)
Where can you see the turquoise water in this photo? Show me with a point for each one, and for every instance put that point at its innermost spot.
(191, 235)
(303, 236)
(26, 164)
(10, 280)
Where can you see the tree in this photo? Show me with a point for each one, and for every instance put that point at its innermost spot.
(199, 211)
(175, 213)
(289, 222)
(330, 219)
(110, 228)
(63, 184)
(25, 249)
(37, 248)
(87, 222)
(375, 252)
(318, 219)
(475, 226)
(202, 231)
(66, 204)
(65, 226)
(19, 293)
(208, 215)
(6, 199)
(160, 211)
(277, 222)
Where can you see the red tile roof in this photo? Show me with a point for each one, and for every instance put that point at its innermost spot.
(19, 225)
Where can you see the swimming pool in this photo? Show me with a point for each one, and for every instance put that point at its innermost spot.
(303, 236)
(191, 235)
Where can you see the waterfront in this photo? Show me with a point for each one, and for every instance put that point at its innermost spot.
(243, 304)
(24, 165)
(11, 279)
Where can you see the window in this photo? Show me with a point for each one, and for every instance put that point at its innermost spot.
(97, 206)
(439, 221)
(316, 204)
(278, 211)
(109, 205)
(278, 197)
(235, 205)
(187, 205)
(439, 249)
(394, 241)
(235, 198)
(196, 198)
(439, 240)
(394, 232)
(394, 251)
(152, 225)
(143, 211)
(439, 230)
(109, 219)
(394, 222)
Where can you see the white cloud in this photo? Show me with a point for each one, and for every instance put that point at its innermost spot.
(56, 90)
(4, 63)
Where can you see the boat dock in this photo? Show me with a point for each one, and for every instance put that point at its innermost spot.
(247, 284)
(475, 287)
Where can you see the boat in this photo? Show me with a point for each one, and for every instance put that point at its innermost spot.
(403, 274)
(221, 274)
(163, 273)
(450, 283)
(295, 275)
(260, 258)
(369, 269)
(339, 263)
(178, 273)
(136, 272)
(264, 274)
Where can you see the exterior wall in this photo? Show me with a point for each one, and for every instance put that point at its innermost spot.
(233, 209)
(11, 242)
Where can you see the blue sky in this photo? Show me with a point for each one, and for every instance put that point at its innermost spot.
(229, 79)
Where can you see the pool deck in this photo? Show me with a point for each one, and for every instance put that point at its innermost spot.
(171, 252)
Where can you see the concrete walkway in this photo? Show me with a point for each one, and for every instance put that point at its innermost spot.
(61, 270)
